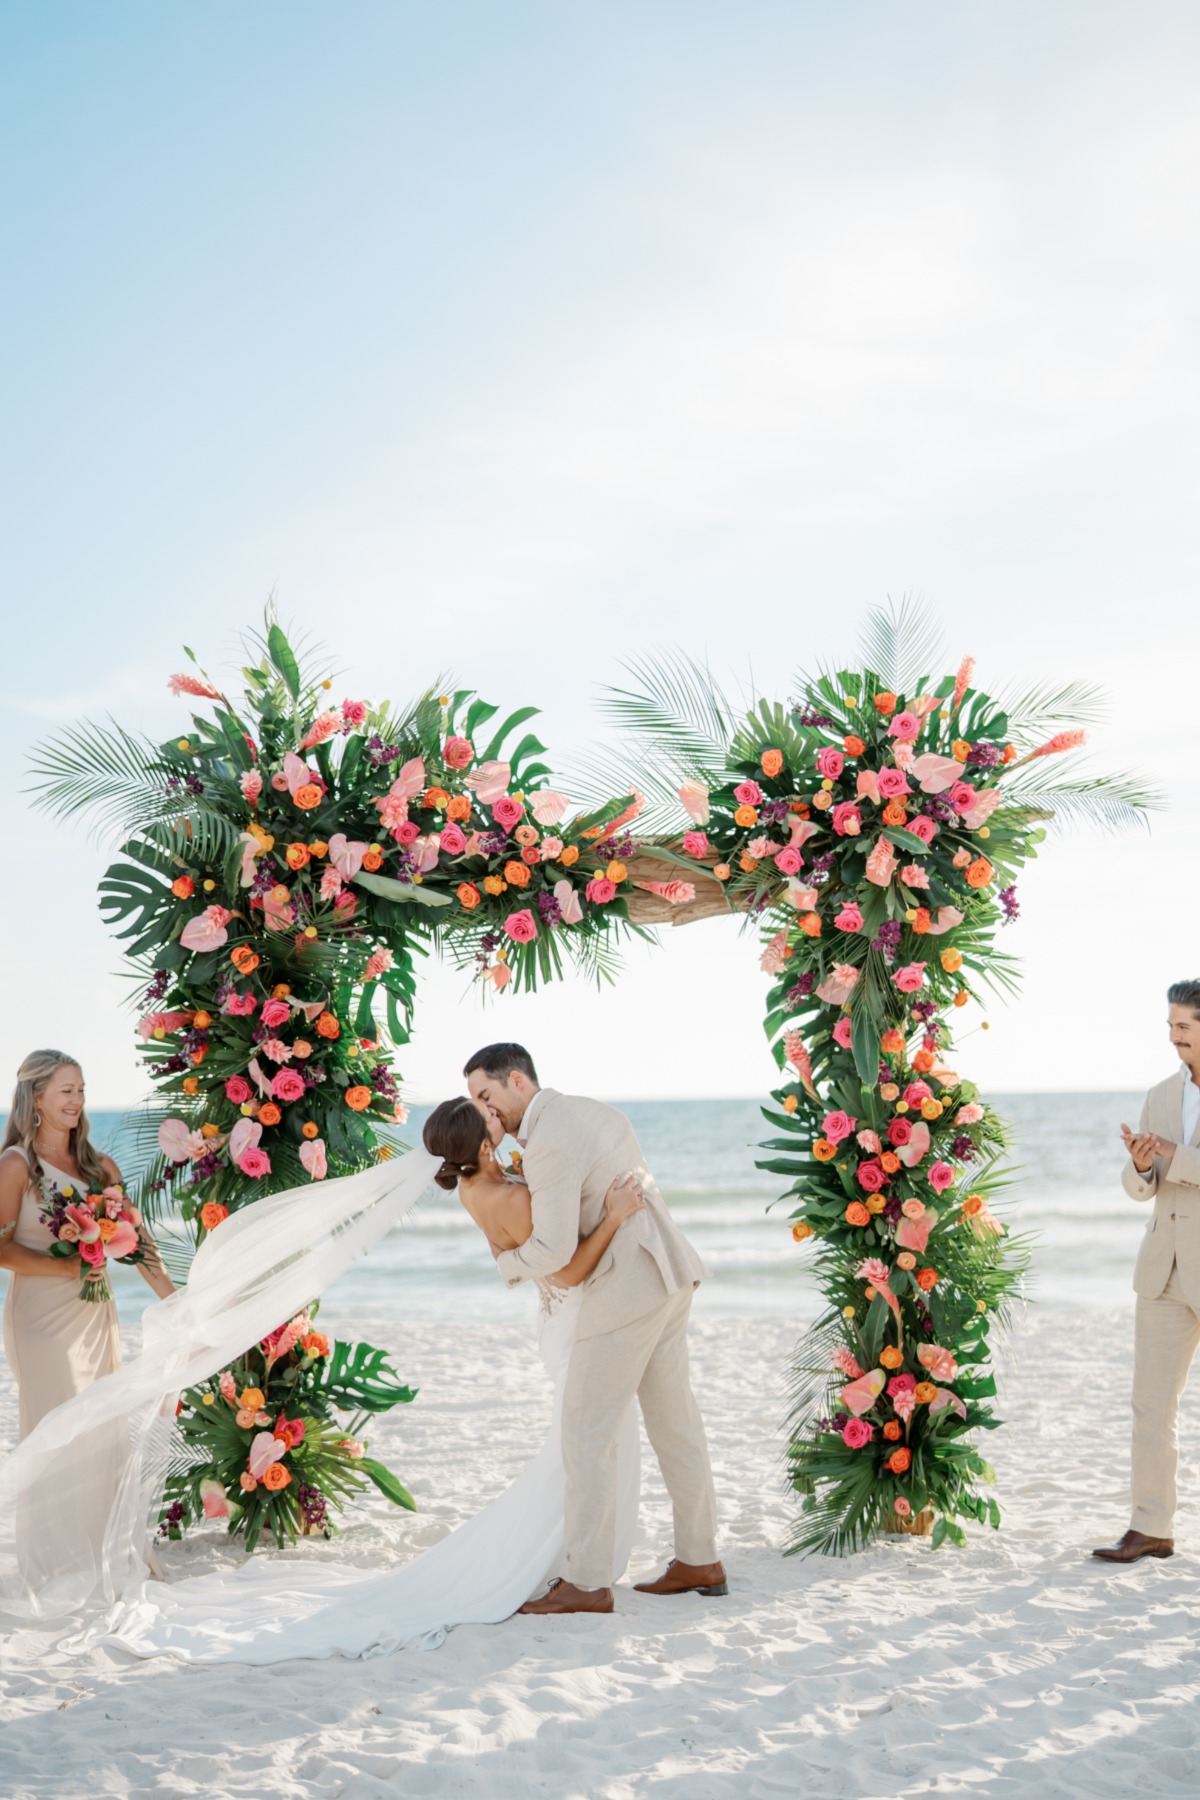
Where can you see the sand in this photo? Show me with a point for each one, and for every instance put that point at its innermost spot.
(1016, 1667)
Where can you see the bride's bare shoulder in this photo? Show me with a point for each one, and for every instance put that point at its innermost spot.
(500, 1209)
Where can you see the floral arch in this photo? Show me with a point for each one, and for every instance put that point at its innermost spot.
(284, 862)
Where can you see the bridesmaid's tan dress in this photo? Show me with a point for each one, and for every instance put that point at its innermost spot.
(56, 1343)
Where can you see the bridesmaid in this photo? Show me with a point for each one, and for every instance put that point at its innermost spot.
(56, 1343)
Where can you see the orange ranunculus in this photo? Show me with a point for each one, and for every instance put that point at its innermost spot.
(247, 1482)
(252, 1399)
(892, 1042)
(722, 871)
(951, 960)
(960, 750)
(183, 887)
(358, 1098)
(853, 745)
(889, 1091)
(790, 1103)
(244, 959)
(531, 855)
(319, 848)
(961, 998)
(264, 838)
(570, 856)
(315, 1343)
(298, 856)
(926, 1279)
(435, 796)
(328, 1027)
(269, 1114)
(891, 1356)
(889, 1162)
(276, 1478)
(894, 813)
(494, 884)
(747, 865)
(810, 924)
(923, 1061)
(898, 1462)
(980, 872)
(280, 991)
(468, 895)
(308, 797)
(211, 1214)
(191, 1085)
(931, 1109)
(857, 1214)
(892, 1431)
(921, 921)
(771, 763)
(822, 801)
(924, 1392)
(516, 874)
(802, 1230)
(973, 1205)
(458, 808)
(745, 816)
(906, 1260)
(885, 703)
(823, 1150)
(372, 859)
(309, 1130)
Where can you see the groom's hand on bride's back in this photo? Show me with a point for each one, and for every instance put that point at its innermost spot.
(624, 1198)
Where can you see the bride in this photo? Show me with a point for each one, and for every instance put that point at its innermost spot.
(271, 1611)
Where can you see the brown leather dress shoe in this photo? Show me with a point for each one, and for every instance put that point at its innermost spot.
(687, 1578)
(564, 1597)
(1133, 1545)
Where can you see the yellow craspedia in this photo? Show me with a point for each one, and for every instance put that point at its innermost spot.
(247, 1109)
(984, 831)
(310, 931)
(208, 1399)
(827, 784)
(981, 1306)
(159, 1032)
(847, 1312)
(352, 1050)
(209, 885)
(902, 1106)
(327, 683)
(443, 699)
(984, 1026)
(849, 700)
(911, 914)
(184, 745)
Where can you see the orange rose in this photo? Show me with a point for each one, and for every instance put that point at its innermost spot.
(722, 871)
(894, 813)
(960, 750)
(277, 1477)
(269, 1114)
(961, 998)
(823, 1150)
(516, 874)
(980, 872)
(891, 1356)
(920, 923)
(357, 1099)
(309, 1130)
(853, 746)
(923, 1061)
(747, 865)
(857, 1214)
(372, 859)
(885, 703)
(319, 848)
(570, 856)
(328, 1027)
(436, 796)
(297, 855)
(810, 924)
(183, 887)
(492, 884)
(745, 816)
(951, 961)
(897, 1462)
(892, 1042)
(771, 763)
(889, 1162)
(924, 1392)
(802, 1230)
(458, 808)
(201, 1021)
(926, 1279)
(973, 1205)
(280, 991)
(107, 1229)
(244, 959)
(190, 1085)
(307, 797)
(892, 1432)
(468, 895)
(211, 1214)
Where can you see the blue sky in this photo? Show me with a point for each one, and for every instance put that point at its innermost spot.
(513, 339)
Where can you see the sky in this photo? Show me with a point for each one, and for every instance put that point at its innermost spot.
(515, 341)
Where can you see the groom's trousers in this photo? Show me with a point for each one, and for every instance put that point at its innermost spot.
(1167, 1333)
(647, 1357)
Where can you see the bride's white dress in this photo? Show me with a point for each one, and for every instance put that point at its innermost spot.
(273, 1609)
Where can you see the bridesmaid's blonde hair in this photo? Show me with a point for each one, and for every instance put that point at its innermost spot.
(32, 1077)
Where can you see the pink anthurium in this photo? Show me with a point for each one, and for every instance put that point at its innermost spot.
(346, 857)
(244, 1136)
(490, 782)
(862, 1394)
(265, 1450)
(124, 1240)
(89, 1226)
(910, 1154)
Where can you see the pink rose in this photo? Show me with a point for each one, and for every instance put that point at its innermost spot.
(275, 1012)
(313, 1158)
(962, 796)
(748, 793)
(869, 1141)
(850, 918)
(458, 753)
(521, 927)
(695, 843)
(453, 840)
(893, 782)
(251, 785)
(406, 834)
(900, 1384)
(842, 1033)
(910, 977)
(279, 782)
(288, 1085)
(508, 812)
(916, 1091)
(925, 829)
(93, 1253)
(354, 713)
(970, 1114)
(346, 904)
(830, 763)
(836, 1126)
(600, 890)
(255, 1163)
(846, 819)
(789, 861)
(914, 876)
(941, 1176)
(237, 1090)
(899, 1131)
(240, 1006)
(856, 1433)
(871, 1177)
(905, 725)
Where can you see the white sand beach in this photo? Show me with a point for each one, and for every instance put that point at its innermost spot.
(1014, 1668)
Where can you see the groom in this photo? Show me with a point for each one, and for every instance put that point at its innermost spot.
(632, 1332)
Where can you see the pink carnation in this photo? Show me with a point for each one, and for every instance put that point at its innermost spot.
(254, 1163)
(856, 1434)
(869, 1141)
(695, 843)
(521, 927)
(830, 763)
(838, 986)
(910, 977)
(914, 876)
(970, 1114)
(850, 918)
(288, 1085)
(748, 793)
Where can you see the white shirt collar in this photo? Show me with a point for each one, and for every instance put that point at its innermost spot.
(531, 1113)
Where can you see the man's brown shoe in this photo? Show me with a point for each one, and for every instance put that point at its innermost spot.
(687, 1578)
(1133, 1545)
(564, 1597)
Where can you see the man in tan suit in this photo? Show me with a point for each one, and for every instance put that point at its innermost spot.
(632, 1332)
(1164, 1162)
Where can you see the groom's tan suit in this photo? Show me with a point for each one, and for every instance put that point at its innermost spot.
(632, 1331)
(1167, 1281)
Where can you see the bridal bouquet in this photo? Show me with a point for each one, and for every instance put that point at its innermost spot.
(98, 1228)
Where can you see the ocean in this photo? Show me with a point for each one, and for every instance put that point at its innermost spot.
(1067, 1158)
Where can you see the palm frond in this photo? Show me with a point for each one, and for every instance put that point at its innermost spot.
(1112, 802)
(1035, 709)
(902, 642)
(110, 777)
(677, 711)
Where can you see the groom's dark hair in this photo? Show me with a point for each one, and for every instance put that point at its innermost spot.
(499, 1061)
(1180, 993)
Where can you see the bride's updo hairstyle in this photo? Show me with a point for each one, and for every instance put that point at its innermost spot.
(455, 1131)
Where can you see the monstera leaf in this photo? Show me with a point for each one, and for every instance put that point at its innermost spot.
(358, 1378)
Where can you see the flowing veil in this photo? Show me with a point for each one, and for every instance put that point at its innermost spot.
(79, 1497)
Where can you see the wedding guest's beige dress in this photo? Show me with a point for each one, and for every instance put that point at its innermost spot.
(56, 1343)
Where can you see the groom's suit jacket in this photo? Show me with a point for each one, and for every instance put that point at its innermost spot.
(1173, 1232)
(576, 1149)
